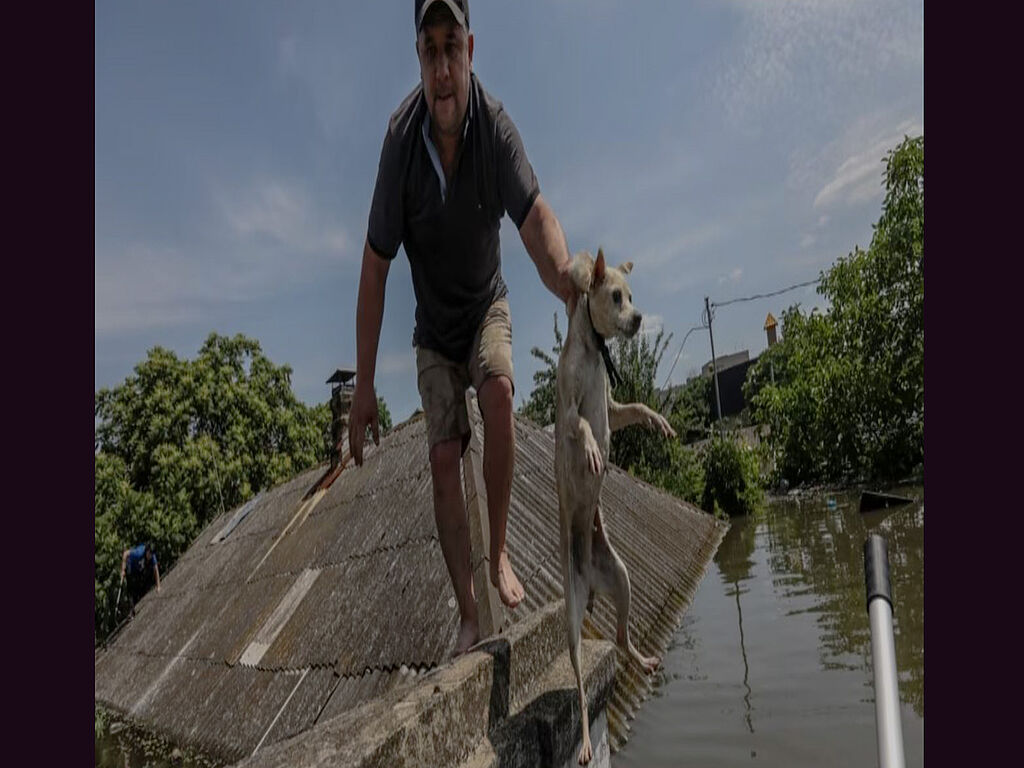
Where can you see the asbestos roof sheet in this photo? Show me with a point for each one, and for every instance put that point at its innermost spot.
(333, 598)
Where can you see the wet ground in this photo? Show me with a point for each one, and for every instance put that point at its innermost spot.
(772, 664)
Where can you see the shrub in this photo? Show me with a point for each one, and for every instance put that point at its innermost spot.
(731, 478)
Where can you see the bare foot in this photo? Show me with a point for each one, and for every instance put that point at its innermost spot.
(469, 635)
(510, 590)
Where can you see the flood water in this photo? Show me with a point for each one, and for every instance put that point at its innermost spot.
(772, 663)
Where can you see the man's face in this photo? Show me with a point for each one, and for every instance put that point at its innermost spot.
(446, 59)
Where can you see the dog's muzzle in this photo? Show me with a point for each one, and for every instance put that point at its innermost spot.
(634, 323)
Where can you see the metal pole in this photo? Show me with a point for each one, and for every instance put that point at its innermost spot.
(714, 366)
(883, 653)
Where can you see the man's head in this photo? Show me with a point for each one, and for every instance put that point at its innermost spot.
(444, 46)
(148, 552)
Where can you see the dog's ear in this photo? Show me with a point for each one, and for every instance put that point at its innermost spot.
(599, 268)
(582, 271)
(626, 268)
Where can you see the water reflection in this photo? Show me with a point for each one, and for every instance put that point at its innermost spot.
(734, 560)
(772, 663)
(817, 550)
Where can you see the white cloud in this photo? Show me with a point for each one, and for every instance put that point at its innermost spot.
(795, 53)
(266, 237)
(283, 213)
(849, 169)
(680, 247)
(389, 363)
(143, 287)
(732, 277)
(807, 240)
(857, 180)
(651, 324)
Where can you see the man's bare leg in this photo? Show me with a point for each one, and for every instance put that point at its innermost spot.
(453, 532)
(495, 398)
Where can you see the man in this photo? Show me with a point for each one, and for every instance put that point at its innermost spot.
(139, 562)
(452, 164)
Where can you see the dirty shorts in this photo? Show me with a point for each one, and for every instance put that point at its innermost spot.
(443, 383)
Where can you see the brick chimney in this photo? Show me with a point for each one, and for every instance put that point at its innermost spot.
(769, 326)
(343, 385)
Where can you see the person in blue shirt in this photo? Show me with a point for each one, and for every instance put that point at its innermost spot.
(140, 565)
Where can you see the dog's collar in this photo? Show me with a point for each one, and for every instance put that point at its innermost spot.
(613, 374)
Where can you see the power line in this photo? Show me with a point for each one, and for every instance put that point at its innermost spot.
(708, 315)
(764, 295)
(670, 370)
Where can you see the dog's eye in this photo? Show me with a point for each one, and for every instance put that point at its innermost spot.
(617, 296)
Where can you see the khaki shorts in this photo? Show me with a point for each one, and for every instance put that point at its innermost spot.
(443, 383)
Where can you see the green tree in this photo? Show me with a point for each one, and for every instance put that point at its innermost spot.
(691, 404)
(540, 407)
(383, 416)
(731, 477)
(643, 452)
(180, 440)
(848, 397)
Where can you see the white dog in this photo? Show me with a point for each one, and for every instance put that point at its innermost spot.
(585, 417)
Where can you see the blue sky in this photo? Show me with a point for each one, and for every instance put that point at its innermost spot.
(727, 148)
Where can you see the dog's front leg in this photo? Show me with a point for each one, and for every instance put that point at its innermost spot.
(585, 435)
(620, 416)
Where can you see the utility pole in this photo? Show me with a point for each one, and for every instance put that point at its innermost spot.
(714, 366)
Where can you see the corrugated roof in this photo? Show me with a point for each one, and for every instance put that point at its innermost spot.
(347, 594)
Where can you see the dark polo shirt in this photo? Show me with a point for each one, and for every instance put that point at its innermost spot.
(452, 241)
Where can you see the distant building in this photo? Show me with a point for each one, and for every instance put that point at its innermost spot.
(732, 372)
(725, 362)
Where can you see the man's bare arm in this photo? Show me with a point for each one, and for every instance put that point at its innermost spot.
(369, 315)
(545, 242)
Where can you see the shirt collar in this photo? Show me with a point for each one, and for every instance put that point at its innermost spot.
(435, 158)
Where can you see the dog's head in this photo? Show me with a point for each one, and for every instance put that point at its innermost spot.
(611, 302)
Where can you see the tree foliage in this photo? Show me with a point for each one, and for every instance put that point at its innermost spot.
(540, 407)
(691, 402)
(731, 477)
(180, 440)
(848, 397)
(383, 416)
(643, 452)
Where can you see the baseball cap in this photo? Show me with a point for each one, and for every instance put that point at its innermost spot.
(459, 9)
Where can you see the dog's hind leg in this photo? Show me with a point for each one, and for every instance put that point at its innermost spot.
(576, 587)
(612, 576)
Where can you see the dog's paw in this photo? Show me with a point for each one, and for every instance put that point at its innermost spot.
(657, 421)
(593, 452)
(586, 752)
(649, 663)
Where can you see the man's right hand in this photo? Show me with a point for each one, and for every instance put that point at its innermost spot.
(363, 413)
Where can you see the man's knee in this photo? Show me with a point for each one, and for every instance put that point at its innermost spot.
(496, 398)
(444, 463)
